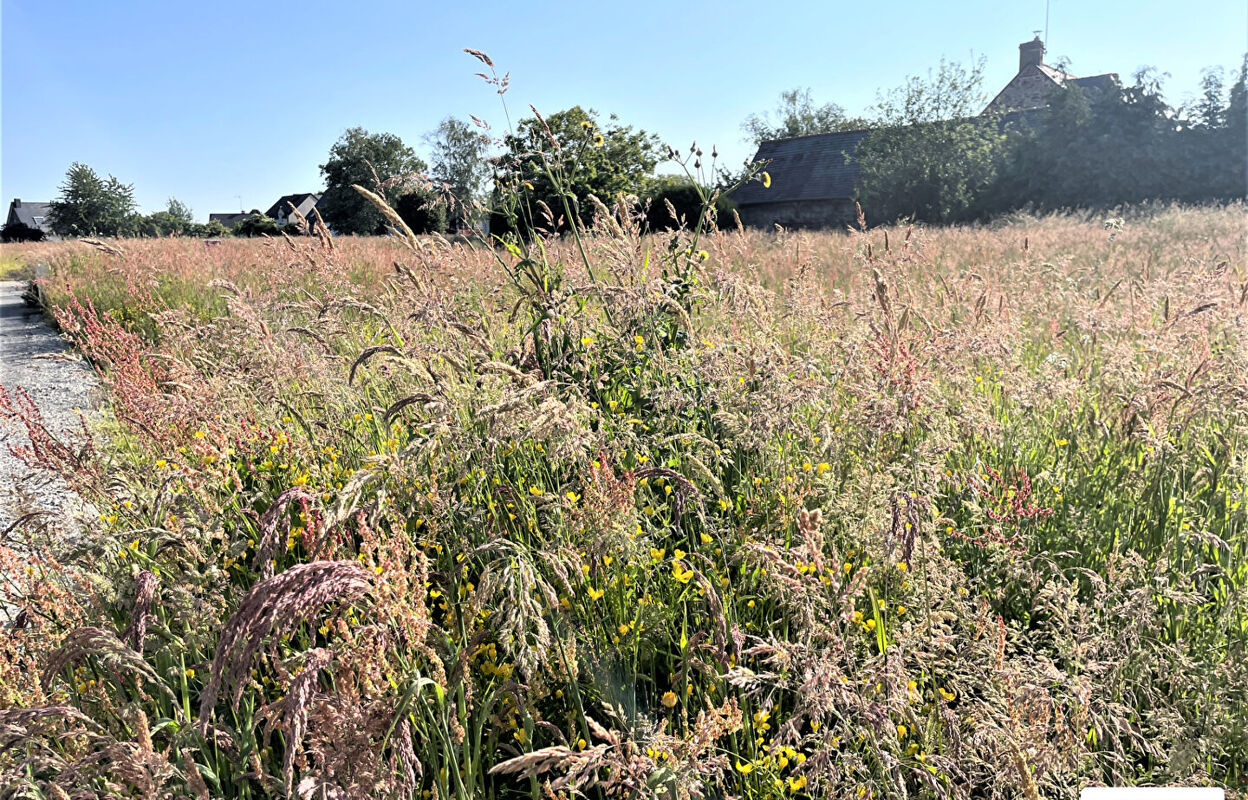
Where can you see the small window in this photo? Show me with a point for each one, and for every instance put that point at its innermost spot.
(38, 220)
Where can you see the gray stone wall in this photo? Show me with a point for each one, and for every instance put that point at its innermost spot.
(810, 214)
(1029, 89)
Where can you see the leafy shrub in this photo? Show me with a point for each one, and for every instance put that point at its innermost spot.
(21, 232)
(257, 225)
(208, 230)
(686, 200)
(423, 211)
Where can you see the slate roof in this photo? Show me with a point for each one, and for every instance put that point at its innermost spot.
(817, 167)
(1098, 82)
(25, 212)
(1088, 82)
(304, 202)
(230, 219)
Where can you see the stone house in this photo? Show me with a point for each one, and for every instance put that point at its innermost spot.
(32, 215)
(813, 178)
(1036, 81)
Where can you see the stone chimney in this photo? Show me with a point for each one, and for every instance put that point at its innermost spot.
(17, 202)
(1030, 54)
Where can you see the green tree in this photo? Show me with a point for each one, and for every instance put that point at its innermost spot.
(797, 115)
(458, 160)
(584, 157)
(180, 211)
(89, 205)
(176, 220)
(379, 162)
(1209, 110)
(930, 158)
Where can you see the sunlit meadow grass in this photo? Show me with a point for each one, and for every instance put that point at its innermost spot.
(882, 513)
(15, 269)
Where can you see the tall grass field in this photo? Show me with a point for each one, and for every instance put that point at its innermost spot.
(880, 513)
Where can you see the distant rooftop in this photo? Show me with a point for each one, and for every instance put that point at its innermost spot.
(232, 218)
(303, 202)
(816, 167)
(32, 215)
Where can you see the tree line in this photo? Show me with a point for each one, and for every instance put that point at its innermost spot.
(931, 157)
(464, 185)
(1118, 145)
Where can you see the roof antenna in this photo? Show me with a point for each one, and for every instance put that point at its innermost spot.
(1046, 23)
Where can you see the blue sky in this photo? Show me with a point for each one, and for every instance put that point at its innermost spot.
(210, 102)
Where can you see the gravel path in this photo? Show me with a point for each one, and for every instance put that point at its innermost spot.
(35, 357)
